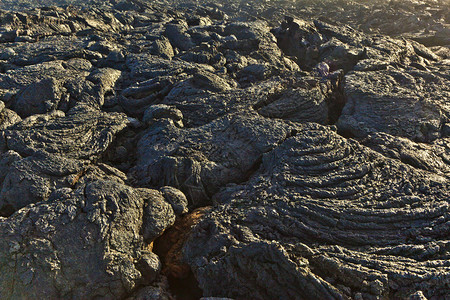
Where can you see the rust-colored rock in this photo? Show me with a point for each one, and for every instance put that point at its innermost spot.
(169, 245)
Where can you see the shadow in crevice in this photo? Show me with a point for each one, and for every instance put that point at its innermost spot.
(169, 247)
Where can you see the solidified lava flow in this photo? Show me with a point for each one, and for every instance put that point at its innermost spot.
(180, 149)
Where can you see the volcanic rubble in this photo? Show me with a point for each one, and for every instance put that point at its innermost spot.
(176, 150)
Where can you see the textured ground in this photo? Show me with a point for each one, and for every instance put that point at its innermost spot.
(180, 150)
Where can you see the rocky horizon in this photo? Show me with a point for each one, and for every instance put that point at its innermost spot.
(180, 149)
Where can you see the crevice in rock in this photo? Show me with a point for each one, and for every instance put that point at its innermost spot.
(257, 165)
(270, 99)
(336, 99)
(185, 288)
(7, 211)
(122, 151)
(169, 248)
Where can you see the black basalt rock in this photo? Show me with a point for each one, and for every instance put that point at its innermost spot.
(82, 243)
(82, 133)
(315, 222)
(181, 149)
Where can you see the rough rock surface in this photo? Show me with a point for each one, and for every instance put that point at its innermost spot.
(33, 179)
(407, 103)
(81, 133)
(317, 223)
(7, 117)
(201, 160)
(38, 98)
(179, 149)
(82, 243)
(431, 157)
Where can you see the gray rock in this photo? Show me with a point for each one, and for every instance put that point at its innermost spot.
(158, 215)
(157, 291)
(162, 48)
(103, 47)
(38, 98)
(82, 243)
(162, 111)
(342, 47)
(176, 33)
(176, 198)
(6, 159)
(256, 72)
(298, 105)
(33, 179)
(300, 39)
(212, 82)
(82, 133)
(8, 36)
(201, 106)
(207, 103)
(417, 296)
(49, 48)
(327, 218)
(48, 79)
(150, 266)
(7, 117)
(137, 98)
(431, 157)
(105, 78)
(200, 160)
(150, 79)
(20, 78)
(313, 99)
(308, 99)
(93, 89)
(402, 103)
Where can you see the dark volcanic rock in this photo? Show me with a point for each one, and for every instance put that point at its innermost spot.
(307, 99)
(317, 223)
(18, 78)
(158, 291)
(82, 243)
(402, 103)
(311, 43)
(294, 98)
(201, 160)
(176, 33)
(40, 88)
(158, 215)
(162, 111)
(261, 156)
(82, 133)
(396, 86)
(7, 117)
(162, 48)
(176, 198)
(33, 179)
(431, 157)
(38, 98)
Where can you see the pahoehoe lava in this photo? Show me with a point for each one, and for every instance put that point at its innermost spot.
(180, 149)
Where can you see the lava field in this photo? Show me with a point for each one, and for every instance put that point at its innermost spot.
(181, 149)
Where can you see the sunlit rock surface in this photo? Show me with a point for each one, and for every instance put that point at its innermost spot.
(229, 150)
